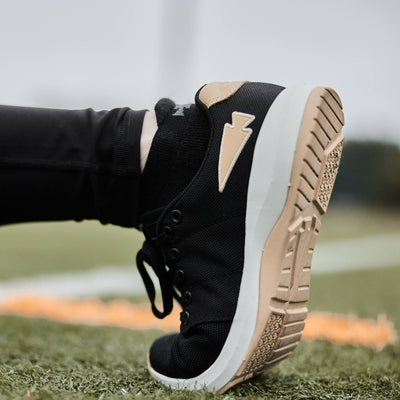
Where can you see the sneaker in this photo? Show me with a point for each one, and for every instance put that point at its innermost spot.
(235, 246)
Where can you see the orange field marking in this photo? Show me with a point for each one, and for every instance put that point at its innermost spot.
(350, 329)
(334, 327)
(89, 311)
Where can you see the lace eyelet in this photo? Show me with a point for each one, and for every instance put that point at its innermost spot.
(186, 299)
(178, 278)
(184, 317)
(174, 254)
(168, 232)
(176, 216)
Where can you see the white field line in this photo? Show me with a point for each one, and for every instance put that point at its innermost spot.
(357, 253)
(97, 282)
(333, 256)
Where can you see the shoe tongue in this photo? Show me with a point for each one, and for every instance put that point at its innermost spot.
(176, 153)
(166, 107)
(163, 108)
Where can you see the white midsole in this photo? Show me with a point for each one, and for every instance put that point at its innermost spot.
(267, 192)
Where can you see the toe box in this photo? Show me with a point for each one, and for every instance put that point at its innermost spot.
(187, 356)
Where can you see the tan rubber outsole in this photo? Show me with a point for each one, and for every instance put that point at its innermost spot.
(286, 263)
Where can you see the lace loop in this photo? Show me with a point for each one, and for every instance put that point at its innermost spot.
(151, 254)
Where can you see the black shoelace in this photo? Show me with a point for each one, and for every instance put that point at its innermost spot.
(151, 254)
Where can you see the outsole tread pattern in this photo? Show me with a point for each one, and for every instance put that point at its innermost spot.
(266, 344)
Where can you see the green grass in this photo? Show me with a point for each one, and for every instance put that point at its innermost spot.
(57, 247)
(365, 293)
(59, 361)
(30, 249)
(346, 222)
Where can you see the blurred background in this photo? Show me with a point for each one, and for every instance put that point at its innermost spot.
(105, 54)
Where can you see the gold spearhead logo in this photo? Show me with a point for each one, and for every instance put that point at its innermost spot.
(234, 138)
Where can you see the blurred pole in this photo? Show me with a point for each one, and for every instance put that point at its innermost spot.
(177, 53)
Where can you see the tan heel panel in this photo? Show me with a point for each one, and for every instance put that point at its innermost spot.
(216, 92)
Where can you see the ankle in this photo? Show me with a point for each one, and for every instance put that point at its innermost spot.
(149, 129)
(171, 157)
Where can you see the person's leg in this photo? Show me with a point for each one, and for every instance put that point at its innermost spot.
(61, 164)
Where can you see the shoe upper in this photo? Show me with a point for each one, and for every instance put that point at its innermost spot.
(196, 244)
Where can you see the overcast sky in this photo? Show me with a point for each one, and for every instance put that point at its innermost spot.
(113, 53)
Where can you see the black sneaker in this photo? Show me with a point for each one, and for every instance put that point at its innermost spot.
(235, 247)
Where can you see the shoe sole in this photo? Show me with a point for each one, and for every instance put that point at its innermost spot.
(299, 146)
(290, 246)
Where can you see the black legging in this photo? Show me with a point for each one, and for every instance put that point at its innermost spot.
(60, 165)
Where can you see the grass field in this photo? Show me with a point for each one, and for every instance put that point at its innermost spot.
(59, 361)
(49, 360)
(31, 249)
